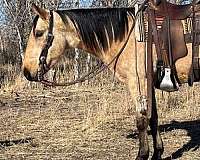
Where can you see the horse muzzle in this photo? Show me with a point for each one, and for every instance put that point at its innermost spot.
(29, 76)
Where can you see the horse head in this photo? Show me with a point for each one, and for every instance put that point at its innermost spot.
(48, 40)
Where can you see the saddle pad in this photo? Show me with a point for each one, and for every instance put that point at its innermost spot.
(178, 44)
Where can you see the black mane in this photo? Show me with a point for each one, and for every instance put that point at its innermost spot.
(92, 23)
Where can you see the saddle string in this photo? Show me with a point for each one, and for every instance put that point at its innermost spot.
(98, 70)
(141, 8)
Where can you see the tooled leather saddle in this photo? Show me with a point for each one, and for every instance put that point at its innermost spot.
(170, 40)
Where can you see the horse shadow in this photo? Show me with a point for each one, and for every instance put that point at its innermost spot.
(193, 131)
(9, 143)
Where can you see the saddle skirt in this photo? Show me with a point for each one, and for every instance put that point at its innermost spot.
(177, 36)
(177, 39)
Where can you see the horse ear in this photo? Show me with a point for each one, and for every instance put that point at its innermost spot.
(41, 12)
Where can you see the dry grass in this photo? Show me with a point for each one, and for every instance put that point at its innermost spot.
(94, 121)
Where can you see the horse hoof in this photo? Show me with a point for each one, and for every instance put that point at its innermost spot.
(142, 157)
(156, 157)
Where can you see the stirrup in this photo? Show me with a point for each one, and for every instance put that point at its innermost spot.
(169, 82)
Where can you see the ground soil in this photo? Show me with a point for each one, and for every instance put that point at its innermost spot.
(92, 122)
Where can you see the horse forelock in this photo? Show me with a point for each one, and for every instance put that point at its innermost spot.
(99, 28)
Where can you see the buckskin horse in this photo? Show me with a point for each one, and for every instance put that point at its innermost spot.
(107, 33)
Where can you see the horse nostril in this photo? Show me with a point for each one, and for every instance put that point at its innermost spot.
(27, 74)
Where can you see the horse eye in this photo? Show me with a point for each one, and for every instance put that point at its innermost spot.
(39, 34)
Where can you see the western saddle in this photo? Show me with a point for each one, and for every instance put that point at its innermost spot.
(166, 31)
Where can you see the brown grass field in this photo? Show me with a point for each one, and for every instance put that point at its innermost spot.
(92, 121)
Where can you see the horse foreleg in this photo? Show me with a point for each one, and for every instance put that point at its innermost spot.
(157, 141)
(142, 123)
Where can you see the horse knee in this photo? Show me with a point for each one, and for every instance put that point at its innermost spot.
(142, 122)
(141, 105)
(142, 118)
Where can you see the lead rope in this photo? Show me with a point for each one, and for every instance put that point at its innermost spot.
(98, 70)
(136, 70)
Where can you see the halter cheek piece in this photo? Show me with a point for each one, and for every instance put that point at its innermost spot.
(43, 67)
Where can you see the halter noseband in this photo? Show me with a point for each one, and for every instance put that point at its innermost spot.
(43, 68)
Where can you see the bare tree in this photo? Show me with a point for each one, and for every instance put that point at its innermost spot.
(15, 26)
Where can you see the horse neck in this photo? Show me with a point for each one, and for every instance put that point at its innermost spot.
(114, 49)
(108, 51)
(108, 55)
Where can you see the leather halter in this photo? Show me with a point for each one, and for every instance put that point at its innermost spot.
(43, 67)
